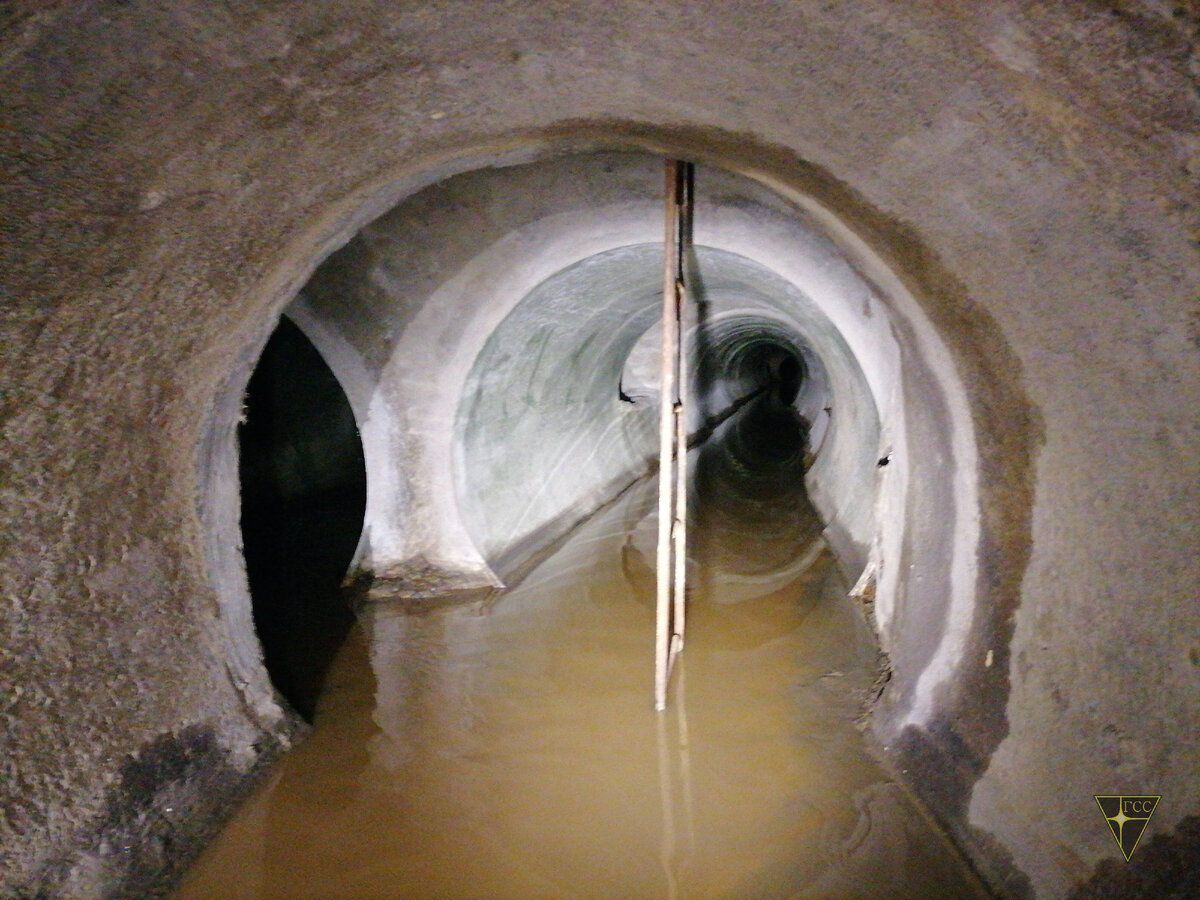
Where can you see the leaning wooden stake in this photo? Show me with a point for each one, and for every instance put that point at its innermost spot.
(672, 472)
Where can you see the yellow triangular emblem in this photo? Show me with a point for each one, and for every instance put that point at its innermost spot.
(1127, 818)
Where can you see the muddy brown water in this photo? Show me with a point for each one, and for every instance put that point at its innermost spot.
(509, 749)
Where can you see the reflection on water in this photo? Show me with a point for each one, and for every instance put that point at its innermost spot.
(510, 749)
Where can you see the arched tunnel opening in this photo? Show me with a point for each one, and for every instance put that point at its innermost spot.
(496, 337)
(303, 492)
(564, 379)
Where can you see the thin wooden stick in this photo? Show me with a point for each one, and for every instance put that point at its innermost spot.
(679, 526)
(685, 188)
(672, 472)
(666, 439)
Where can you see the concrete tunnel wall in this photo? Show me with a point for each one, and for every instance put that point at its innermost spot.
(544, 436)
(443, 360)
(1025, 173)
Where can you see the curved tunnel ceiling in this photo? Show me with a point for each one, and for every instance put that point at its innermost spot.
(544, 434)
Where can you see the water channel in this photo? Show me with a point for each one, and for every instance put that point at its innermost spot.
(508, 748)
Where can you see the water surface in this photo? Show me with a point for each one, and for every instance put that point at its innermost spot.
(509, 749)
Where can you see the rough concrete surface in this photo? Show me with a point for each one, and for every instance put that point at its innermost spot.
(1025, 172)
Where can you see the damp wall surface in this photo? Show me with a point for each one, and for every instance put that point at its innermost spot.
(1026, 174)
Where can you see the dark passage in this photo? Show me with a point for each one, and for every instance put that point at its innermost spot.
(753, 513)
(303, 498)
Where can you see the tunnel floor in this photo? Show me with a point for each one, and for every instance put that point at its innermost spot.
(509, 749)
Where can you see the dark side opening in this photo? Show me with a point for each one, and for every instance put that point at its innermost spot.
(303, 489)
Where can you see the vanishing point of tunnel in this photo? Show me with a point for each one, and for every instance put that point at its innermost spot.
(329, 444)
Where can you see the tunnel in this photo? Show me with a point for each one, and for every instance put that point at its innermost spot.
(508, 421)
(516, 369)
(945, 280)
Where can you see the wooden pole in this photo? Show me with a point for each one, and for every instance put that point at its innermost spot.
(685, 181)
(672, 472)
(666, 440)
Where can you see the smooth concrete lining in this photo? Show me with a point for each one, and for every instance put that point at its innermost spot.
(403, 361)
(407, 309)
(543, 435)
(912, 534)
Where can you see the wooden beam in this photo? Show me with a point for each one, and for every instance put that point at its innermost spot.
(671, 585)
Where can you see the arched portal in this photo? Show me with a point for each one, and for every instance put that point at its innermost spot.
(303, 492)
(418, 305)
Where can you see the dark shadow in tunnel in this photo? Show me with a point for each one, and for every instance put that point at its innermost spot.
(752, 515)
(789, 378)
(303, 484)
